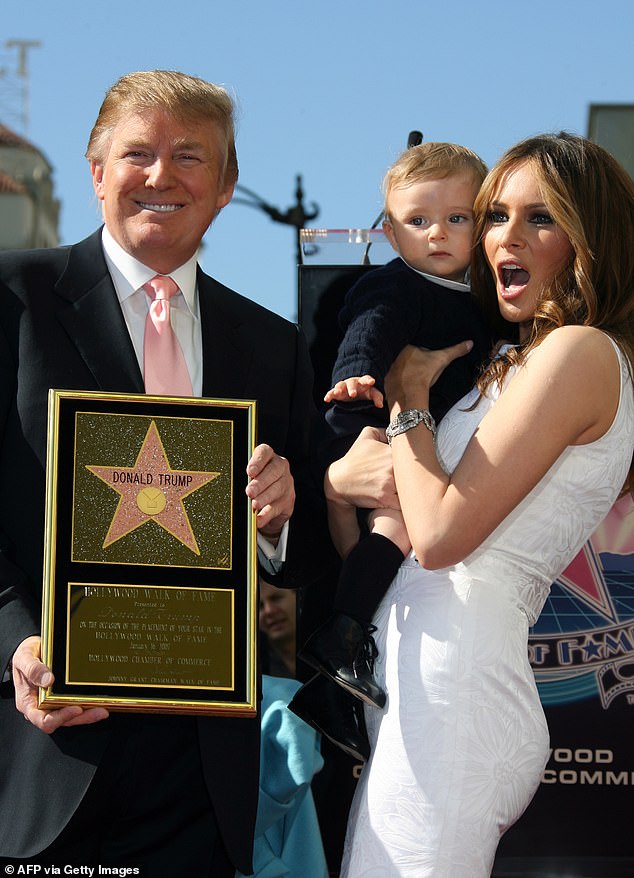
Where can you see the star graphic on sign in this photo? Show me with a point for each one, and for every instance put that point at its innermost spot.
(152, 491)
(584, 576)
(592, 649)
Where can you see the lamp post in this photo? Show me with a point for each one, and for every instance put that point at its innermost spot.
(296, 215)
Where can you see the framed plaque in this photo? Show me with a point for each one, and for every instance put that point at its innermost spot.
(150, 592)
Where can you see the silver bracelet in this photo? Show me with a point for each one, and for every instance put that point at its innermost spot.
(405, 421)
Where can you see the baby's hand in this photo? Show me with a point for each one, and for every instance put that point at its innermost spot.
(355, 388)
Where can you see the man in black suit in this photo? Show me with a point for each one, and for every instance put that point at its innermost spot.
(171, 795)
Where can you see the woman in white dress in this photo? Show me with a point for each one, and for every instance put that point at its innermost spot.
(496, 505)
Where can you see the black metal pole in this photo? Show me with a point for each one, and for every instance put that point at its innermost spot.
(296, 215)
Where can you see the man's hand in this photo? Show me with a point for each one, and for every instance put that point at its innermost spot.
(28, 674)
(271, 490)
(355, 388)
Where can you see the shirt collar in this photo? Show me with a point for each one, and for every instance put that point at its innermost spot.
(443, 281)
(129, 275)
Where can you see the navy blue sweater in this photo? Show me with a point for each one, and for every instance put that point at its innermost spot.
(385, 310)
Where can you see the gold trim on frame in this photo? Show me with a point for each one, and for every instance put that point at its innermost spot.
(150, 563)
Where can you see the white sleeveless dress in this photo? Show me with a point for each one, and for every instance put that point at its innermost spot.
(460, 748)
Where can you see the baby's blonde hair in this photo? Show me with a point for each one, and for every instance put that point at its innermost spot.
(431, 161)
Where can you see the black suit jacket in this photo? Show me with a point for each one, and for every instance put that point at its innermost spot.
(61, 326)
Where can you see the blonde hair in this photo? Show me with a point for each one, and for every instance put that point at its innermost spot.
(188, 98)
(431, 160)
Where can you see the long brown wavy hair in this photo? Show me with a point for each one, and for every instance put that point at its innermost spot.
(591, 198)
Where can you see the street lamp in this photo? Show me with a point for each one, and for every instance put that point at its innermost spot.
(296, 215)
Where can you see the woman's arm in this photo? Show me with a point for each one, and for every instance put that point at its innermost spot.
(565, 394)
(363, 477)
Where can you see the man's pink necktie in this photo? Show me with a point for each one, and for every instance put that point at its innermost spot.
(164, 366)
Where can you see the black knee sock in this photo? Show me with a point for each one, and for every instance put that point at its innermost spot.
(366, 575)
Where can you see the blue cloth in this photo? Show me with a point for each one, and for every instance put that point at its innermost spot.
(287, 837)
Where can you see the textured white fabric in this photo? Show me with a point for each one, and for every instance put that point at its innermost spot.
(461, 746)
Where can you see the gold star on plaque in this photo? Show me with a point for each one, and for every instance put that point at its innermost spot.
(152, 491)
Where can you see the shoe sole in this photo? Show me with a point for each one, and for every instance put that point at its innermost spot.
(349, 751)
(361, 696)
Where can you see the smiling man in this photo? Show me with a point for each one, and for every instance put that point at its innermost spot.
(161, 180)
(171, 795)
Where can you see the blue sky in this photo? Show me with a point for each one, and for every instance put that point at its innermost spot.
(328, 90)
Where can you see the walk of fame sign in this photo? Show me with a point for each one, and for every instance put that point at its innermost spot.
(150, 598)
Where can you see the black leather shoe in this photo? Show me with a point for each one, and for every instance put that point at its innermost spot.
(344, 650)
(333, 713)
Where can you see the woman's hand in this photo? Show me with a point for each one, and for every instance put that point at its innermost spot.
(364, 476)
(415, 370)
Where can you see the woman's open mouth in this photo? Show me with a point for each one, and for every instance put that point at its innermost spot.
(513, 279)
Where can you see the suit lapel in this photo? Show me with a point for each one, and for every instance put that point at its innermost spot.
(227, 353)
(88, 303)
(91, 314)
